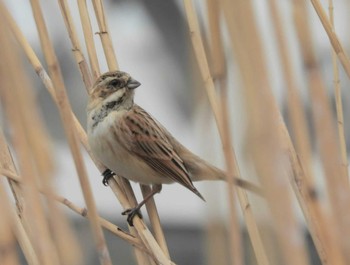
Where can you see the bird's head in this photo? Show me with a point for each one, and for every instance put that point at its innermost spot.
(115, 87)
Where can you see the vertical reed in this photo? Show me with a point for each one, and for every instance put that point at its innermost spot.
(29, 209)
(338, 99)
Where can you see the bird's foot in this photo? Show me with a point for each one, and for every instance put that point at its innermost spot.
(131, 213)
(107, 174)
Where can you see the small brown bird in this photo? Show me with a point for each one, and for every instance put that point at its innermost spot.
(132, 144)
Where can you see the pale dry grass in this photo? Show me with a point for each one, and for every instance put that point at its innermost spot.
(31, 216)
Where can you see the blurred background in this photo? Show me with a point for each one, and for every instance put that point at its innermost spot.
(152, 43)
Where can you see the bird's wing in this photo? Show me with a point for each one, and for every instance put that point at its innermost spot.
(146, 139)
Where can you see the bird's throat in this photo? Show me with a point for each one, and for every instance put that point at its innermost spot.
(105, 109)
(108, 107)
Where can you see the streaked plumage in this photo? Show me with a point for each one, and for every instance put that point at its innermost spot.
(131, 143)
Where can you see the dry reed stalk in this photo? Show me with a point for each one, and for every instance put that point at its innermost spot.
(78, 54)
(219, 74)
(216, 250)
(217, 58)
(105, 37)
(8, 253)
(106, 224)
(321, 230)
(80, 131)
(125, 185)
(18, 104)
(155, 221)
(315, 216)
(338, 100)
(81, 211)
(337, 188)
(154, 218)
(319, 225)
(61, 232)
(89, 39)
(125, 195)
(333, 38)
(296, 111)
(153, 248)
(68, 123)
(201, 57)
(6, 164)
(21, 235)
(33, 59)
(217, 240)
(230, 158)
(29, 197)
(68, 253)
(235, 231)
(23, 241)
(269, 157)
(140, 256)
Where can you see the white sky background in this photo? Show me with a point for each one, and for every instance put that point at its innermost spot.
(140, 52)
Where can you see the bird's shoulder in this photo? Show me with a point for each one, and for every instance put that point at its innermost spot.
(145, 133)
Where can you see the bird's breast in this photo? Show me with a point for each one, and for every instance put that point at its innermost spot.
(106, 146)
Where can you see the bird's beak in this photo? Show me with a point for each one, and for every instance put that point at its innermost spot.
(132, 83)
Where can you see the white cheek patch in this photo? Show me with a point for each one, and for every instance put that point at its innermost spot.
(116, 96)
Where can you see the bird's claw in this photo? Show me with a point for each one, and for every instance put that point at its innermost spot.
(131, 213)
(107, 174)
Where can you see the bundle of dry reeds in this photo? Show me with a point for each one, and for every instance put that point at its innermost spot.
(30, 215)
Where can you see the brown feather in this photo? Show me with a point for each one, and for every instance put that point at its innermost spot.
(149, 143)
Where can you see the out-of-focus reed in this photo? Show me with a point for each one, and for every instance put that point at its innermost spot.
(30, 212)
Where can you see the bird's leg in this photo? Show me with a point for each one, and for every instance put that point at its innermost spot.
(107, 174)
(136, 210)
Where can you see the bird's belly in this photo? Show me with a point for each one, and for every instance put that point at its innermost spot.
(113, 155)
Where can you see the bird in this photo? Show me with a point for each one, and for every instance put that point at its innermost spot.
(133, 144)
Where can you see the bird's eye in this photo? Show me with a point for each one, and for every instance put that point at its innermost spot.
(115, 83)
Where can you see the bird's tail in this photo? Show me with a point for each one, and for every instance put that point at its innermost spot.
(201, 170)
